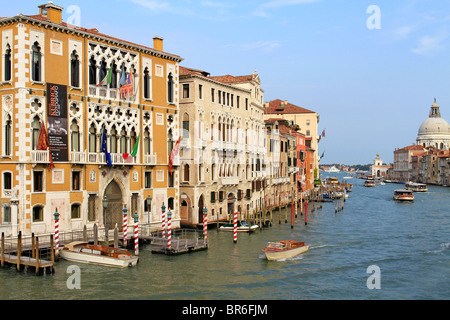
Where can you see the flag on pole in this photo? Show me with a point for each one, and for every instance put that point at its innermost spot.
(107, 80)
(123, 78)
(44, 145)
(173, 154)
(127, 90)
(323, 133)
(105, 149)
(136, 147)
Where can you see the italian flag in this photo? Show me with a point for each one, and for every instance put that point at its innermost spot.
(107, 80)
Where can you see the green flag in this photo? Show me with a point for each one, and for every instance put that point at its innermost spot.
(136, 147)
(107, 80)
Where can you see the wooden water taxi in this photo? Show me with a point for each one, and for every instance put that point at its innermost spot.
(241, 227)
(369, 183)
(403, 195)
(416, 187)
(284, 249)
(101, 255)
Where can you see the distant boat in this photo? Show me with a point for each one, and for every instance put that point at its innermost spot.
(284, 249)
(241, 227)
(416, 187)
(403, 195)
(333, 169)
(370, 183)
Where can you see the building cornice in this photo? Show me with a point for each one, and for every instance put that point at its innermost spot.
(91, 36)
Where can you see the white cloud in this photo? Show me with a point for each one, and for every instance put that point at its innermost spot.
(154, 5)
(403, 32)
(429, 45)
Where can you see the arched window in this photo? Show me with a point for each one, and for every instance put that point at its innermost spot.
(8, 63)
(133, 139)
(75, 137)
(74, 70)
(169, 142)
(92, 139)
(75, 211)
(8, 135)
(113, 140)
(102, 72)
(170, 203)
(113, 84)
(170, 88)
(186, 126)
(147, 142)
(147, 84)
(36, 62)
(186, 173)
(123, 141)
(92, 71)
(35, 132)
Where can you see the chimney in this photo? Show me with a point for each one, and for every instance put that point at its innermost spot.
(52, 12)
(158, 43)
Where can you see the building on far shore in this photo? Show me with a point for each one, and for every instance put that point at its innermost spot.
(380, 170)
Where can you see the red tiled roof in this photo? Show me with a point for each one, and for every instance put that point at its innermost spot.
(187, 71)
(232, 79)
(413, 147)
(288, 108)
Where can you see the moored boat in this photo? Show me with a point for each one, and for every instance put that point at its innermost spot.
(241, 227)
(403, 195)
(83, 252)
(416, 187)
(284, 249)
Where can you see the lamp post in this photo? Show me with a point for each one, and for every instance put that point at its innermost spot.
(149, 207)
(105, 206)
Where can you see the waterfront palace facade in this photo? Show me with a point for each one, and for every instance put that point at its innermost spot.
(92, 123)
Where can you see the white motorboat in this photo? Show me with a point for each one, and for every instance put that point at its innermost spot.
(284, 249)
(80, 251)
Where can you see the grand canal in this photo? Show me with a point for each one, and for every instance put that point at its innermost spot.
(408, 242)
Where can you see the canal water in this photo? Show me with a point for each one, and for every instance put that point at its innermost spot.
(408, 243)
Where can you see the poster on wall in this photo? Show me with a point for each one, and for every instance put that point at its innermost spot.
(57, 122)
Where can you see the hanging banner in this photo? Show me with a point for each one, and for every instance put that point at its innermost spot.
(57, 121)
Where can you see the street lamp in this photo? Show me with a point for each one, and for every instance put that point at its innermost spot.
(149, 207)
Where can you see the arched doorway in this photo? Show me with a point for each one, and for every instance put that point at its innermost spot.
(114, 211)
(201, 205)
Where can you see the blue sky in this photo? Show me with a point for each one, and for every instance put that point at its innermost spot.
(371, 87)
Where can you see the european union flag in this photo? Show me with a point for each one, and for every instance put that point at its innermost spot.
(105, 149)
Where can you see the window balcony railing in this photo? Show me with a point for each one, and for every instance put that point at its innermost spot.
(78, 157)
(116, 159)
(38, 156)
(230, 181)
(151, 159)
(108, 93)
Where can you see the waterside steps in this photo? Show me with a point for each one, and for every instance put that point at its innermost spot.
(182, 241)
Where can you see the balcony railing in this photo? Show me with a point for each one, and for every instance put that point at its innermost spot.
(107, 93)
(38, 156)
(151, 159)
(230, 181)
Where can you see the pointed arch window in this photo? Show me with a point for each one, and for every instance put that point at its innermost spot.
(74, 70)
(35, 132)
(8, 135)
(147, 142)
(170, 88)
(102, 71)
(123, 141)
(113, 140)
(169, 141)
(75, 136)
(92, 71)
(92, 139)
(147, 80)
(8, 71)
(36, 61)
(114, 76)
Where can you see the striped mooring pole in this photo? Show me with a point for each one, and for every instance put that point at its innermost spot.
(136, 234)
(169, 229)
(235, 226)
(163, 217)
(125, 226)
(205, 224)
(56, 232)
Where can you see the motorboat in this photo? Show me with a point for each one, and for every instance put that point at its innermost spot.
(404, 195)
(370, 183)
(333, 169)
(416, 187)
(83, 252)
(284, 249)
(241, 227)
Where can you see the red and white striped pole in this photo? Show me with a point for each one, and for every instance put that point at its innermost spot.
(235, 226)
(125, 226)
(56, 232)
(136, 234)
(169, 230)
(205, 224)
(163, 217)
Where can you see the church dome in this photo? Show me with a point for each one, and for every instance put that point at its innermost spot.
(434, 126)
